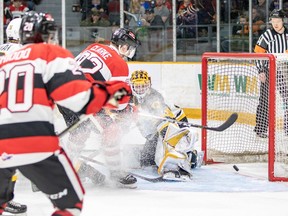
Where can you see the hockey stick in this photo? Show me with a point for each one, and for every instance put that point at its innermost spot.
(230, 121)
(153, 180)
(81, 119)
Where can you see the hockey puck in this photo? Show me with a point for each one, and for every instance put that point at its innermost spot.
(235, 168)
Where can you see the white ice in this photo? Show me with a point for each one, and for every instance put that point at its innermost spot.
(216, 190)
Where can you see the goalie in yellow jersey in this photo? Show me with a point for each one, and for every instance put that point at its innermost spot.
(168, 145)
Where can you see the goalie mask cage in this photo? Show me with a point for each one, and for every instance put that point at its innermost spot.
(230, 83)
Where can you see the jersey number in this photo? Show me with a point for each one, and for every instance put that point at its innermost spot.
(18, 102)
(97, 63)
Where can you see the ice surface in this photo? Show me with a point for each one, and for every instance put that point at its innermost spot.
(216, 190)
(213, 191)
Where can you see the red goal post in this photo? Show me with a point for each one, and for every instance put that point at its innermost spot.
(230, 83)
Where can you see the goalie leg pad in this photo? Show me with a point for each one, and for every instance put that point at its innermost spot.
(170, 161)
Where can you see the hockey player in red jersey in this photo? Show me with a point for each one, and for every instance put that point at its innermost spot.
(102, 62)
(13, 43)
(34, 79)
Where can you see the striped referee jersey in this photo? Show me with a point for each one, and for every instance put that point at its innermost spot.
(271, 42)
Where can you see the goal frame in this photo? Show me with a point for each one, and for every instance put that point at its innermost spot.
(272, 101)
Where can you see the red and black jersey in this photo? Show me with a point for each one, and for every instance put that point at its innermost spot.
(101, 62)
(33, 79)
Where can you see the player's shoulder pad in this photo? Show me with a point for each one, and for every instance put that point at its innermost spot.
(49, 51)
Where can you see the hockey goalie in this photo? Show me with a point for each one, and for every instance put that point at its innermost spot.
(168, 145)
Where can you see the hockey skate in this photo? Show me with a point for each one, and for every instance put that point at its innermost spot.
(94, 175)
(177, 175)
(14, 208)
(128, 181)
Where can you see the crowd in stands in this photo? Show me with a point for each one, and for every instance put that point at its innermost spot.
(239, 42)
(193, 16)
(189, 12)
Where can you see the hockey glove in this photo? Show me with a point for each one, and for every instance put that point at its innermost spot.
(118, 92)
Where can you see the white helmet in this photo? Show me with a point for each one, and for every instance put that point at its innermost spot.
(12, 30)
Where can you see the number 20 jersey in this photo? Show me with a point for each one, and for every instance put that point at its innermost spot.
(32, 79)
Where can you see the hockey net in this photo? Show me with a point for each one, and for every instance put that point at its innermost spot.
(230, 83)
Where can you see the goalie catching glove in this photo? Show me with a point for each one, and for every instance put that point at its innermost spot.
(109, 94)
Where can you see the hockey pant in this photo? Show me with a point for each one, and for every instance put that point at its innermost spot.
(54, 176)
(147, 154)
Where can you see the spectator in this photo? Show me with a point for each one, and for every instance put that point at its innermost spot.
(274, 4)
(241, 31)
(239, 40)
(136, 9)
(235, 11)
(152, 20)
(285, 7)
(258, 23)
(88, 5)
(205, 16)
(98, 5)
(96, 19)
(207, 11)
(168, 4)
(261, 6)
(183, 6)
(114, 12)
(15, 10)
(186, 22)
(162, 10)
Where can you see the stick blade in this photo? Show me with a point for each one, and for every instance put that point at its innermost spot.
(230, 121)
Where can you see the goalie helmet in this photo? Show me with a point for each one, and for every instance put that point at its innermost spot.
(12, 31)
(140, 83)
(37, 28)
(127, 37)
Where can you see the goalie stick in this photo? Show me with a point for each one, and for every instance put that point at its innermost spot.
(153, 180)
(230, 121)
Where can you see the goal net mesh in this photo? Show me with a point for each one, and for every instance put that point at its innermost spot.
(232, 85)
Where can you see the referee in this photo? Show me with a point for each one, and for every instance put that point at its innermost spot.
(273, 40)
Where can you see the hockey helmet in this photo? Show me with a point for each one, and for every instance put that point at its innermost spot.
(124, 36)
(12, 30)
(140, 83)
(277, 13)
(37, 28)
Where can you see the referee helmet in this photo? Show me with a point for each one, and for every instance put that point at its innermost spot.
(277, 13)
